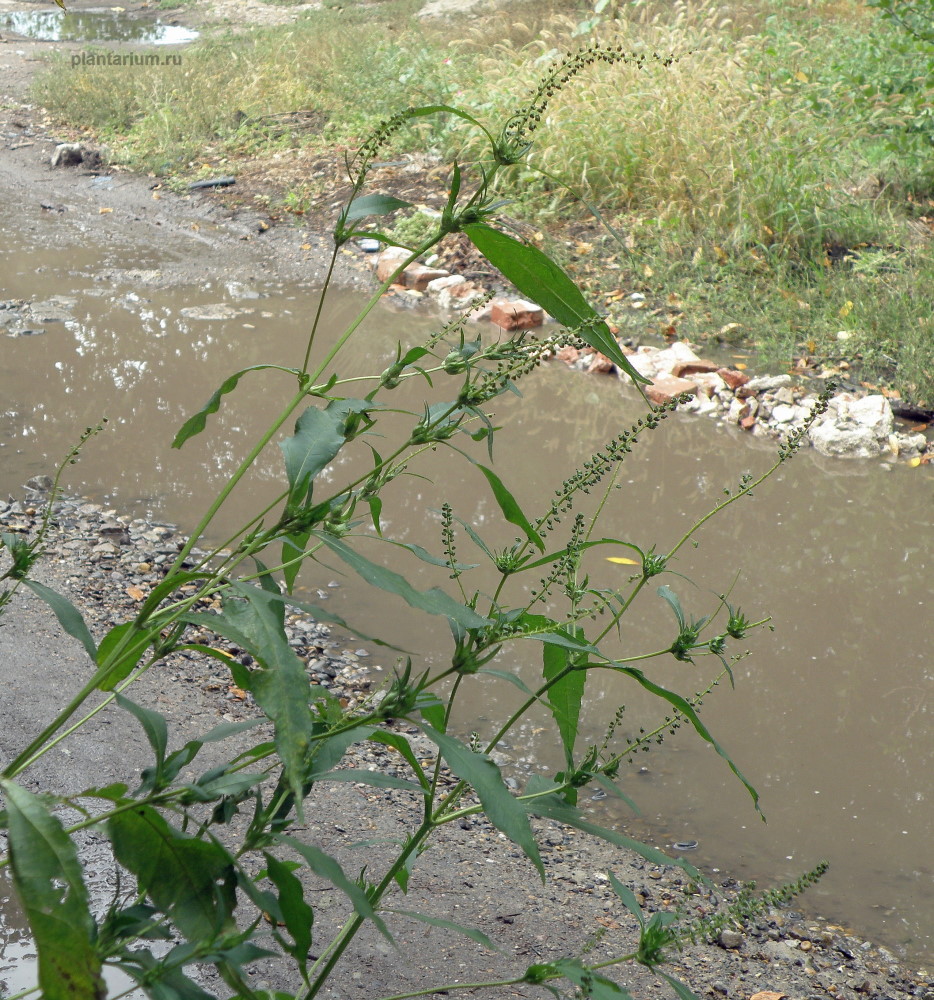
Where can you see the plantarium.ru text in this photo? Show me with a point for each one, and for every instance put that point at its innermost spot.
(216, 868)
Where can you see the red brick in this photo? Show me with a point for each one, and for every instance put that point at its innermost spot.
(733, 378)
(516, 314)
(684, 368)
(666, 387)
(418, 276)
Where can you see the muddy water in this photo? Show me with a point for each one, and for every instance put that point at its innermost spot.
(831, 716)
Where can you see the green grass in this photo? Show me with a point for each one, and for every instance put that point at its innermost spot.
(782, 129)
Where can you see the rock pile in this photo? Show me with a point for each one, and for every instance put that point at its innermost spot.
(113, 563)
(855, 425)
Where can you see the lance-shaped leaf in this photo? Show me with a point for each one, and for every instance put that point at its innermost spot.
(372, 204)
(590, 984)
(319, 436)
(68, 615)
(196, 423)
(281, 687)
(295, 913)
(180, 874)
(510, 508)
(555, 807)
(566, 692)
(539, 278)
(502, 808)
(435, 601)
(450, 925)
(326, 867)
(51, 888)
(686, 709)
(119, 652)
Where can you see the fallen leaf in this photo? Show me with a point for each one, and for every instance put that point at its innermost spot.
(740, 366)
(845, 309)
(137, 593)
(722, 257)
(801, 78)
(647, 271)
(306, 246)
(729, 326)
(914, 462)
(105, 211)
(623, 561)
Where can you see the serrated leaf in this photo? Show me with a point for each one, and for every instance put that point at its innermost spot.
(68, 615)
(123, 646)
(156, 730)
(565, 695)
(590, 983)
(435, 601)
(281, 688)
(196, 423)
(51, 889)
(539, 278)
(500, 806)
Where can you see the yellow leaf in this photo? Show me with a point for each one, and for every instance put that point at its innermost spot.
(741, 367)
(729, 326)
(623, 561)
(306, 246)
(137, 593)
(105, 211)
(722, 257)
(914, 462)
(811, 346)
(647, 271)
(801, 77)
(845, 309)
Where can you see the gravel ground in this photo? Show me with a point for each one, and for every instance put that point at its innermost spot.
(472, 874)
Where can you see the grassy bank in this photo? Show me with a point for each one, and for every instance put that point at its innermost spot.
(774, 186)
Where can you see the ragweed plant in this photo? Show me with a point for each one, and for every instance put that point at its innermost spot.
(198, 878)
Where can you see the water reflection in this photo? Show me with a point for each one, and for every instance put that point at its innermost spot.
(831, 716)
(93, 26)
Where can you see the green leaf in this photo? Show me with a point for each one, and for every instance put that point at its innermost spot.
(509, 507)
(671, 598)
(373, 204)
(540, 279)
(364, 777)
(297, 915)
(449, 925)
(683, 992)
(435, 601)
(319, 436)
(427, 557)
(628, 898)
(556, 808)
(68, 615)
(590, 983)
(51, 889)
(326, 867)
(196, 423)
(402, 746)
(180, 874)
(686, 709)
(502, 809)
(132, 642)
(281, 688)
(156, 732)
(566, 694)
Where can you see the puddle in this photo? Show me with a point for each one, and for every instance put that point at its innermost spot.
(831, 717)
(96, 25)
